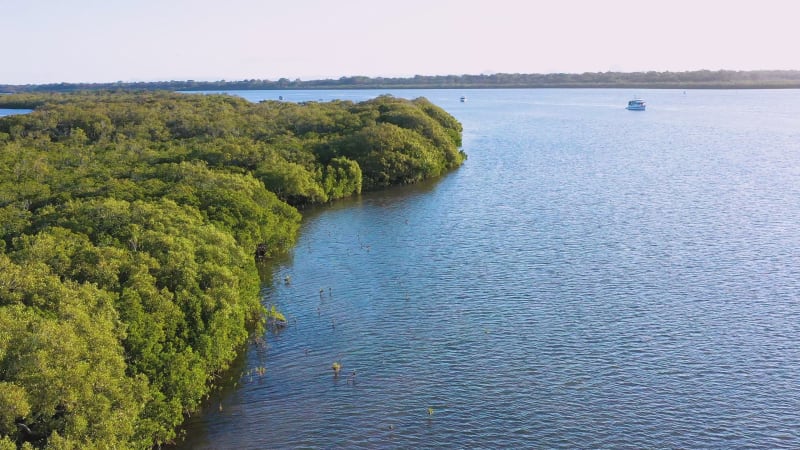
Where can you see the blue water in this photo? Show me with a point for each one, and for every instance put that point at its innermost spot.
(591, 277)
(11, 112)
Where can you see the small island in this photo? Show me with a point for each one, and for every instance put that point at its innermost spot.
(130, 228)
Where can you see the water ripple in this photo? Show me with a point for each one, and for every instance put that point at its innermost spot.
(589, 279)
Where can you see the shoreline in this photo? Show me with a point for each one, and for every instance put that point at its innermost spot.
(699, 79)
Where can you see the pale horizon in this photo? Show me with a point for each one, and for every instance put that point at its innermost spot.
(92, 41)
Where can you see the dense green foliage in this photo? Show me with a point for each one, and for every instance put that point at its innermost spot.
(704, 79)
(128, 229)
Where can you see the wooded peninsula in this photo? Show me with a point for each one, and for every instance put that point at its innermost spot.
(699, 79)
(130, 228)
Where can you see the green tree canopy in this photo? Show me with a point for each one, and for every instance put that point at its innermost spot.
(129, 229)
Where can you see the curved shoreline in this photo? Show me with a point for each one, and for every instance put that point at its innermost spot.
(131, 222)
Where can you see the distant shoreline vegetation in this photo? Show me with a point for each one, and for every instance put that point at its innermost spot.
(699, 79)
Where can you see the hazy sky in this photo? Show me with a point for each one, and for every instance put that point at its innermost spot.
(148, 40)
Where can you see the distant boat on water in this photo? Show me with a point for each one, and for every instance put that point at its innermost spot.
(463, 98)
(636, 105)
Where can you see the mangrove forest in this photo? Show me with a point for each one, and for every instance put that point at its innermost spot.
(131, 225)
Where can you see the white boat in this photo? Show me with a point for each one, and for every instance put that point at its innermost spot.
(636, 105)
(463, 98)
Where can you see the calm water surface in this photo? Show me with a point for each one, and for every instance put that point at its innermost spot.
(11, 112)
(591, 277)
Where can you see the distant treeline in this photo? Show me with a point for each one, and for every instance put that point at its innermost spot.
(129, 225)
(700, 79)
